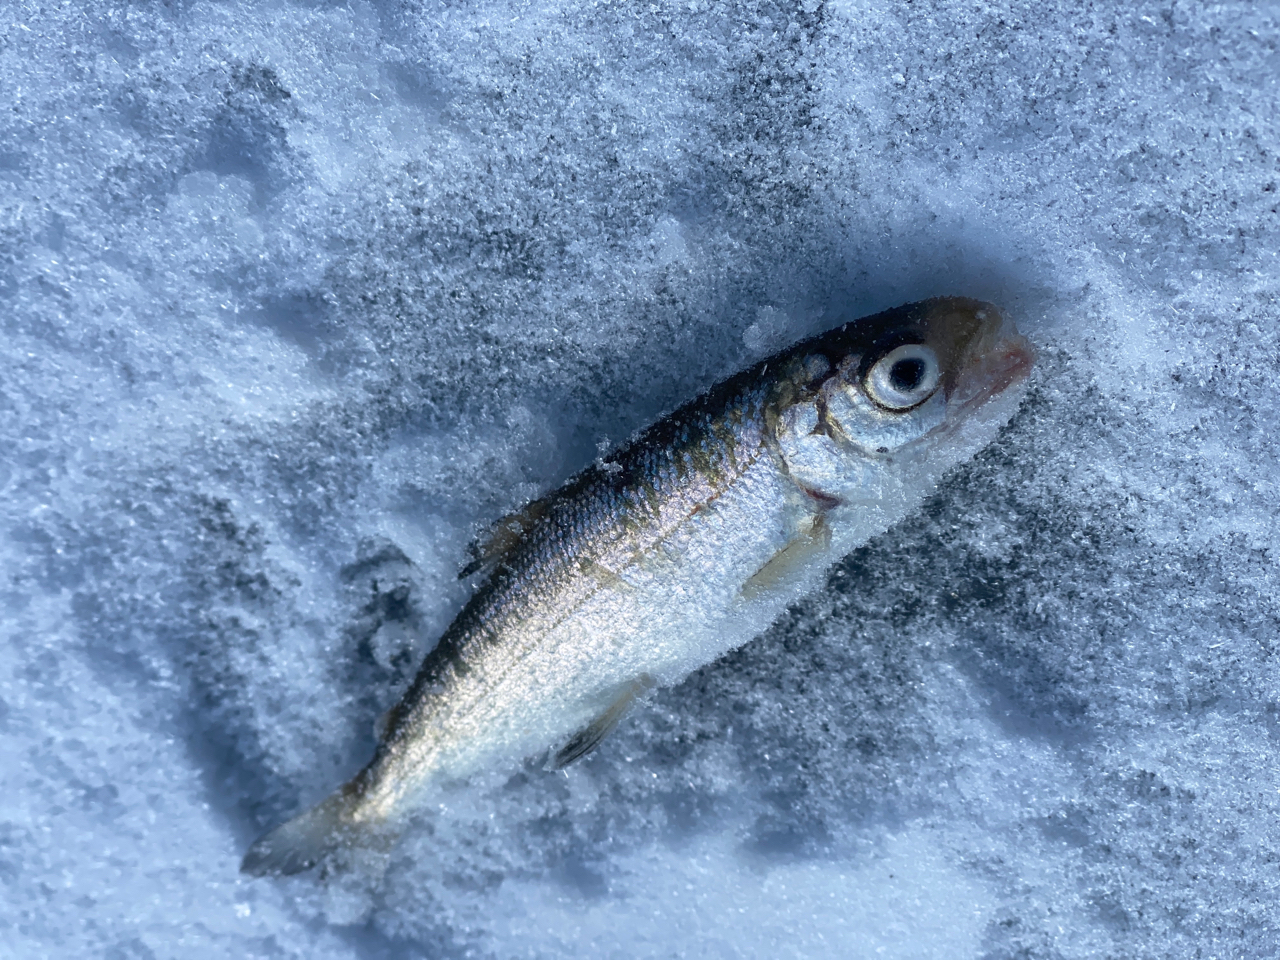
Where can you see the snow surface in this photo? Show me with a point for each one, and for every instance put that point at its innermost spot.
(296, 295)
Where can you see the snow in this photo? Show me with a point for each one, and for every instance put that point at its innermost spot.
(296, 296)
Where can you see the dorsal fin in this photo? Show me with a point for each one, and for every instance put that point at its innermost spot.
(503, 536)
(383, 723)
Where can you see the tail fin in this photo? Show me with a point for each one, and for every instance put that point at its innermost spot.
(299, 844)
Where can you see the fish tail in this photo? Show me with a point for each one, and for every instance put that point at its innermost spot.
(299, 844)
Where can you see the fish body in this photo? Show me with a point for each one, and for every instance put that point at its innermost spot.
(686, 544)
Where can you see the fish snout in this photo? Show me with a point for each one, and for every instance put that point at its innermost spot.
(1005, 365)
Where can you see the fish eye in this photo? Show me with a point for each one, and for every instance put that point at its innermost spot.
(903, 378)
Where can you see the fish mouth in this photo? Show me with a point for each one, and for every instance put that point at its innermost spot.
(1008, 364)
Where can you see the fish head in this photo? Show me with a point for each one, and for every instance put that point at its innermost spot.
(892, 401)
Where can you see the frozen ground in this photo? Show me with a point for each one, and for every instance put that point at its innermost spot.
(296, 295)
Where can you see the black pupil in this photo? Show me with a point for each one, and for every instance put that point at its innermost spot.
(906, 375)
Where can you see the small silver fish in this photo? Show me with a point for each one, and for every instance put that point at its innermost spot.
(686, 545)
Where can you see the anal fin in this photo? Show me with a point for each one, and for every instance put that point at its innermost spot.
(589, 737)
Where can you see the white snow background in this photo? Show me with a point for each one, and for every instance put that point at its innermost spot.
(296, 296)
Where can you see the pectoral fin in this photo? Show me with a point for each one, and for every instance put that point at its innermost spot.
(792, 559)
(589, 737)
(606, 578)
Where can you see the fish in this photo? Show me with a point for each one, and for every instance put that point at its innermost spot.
(684, 544)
